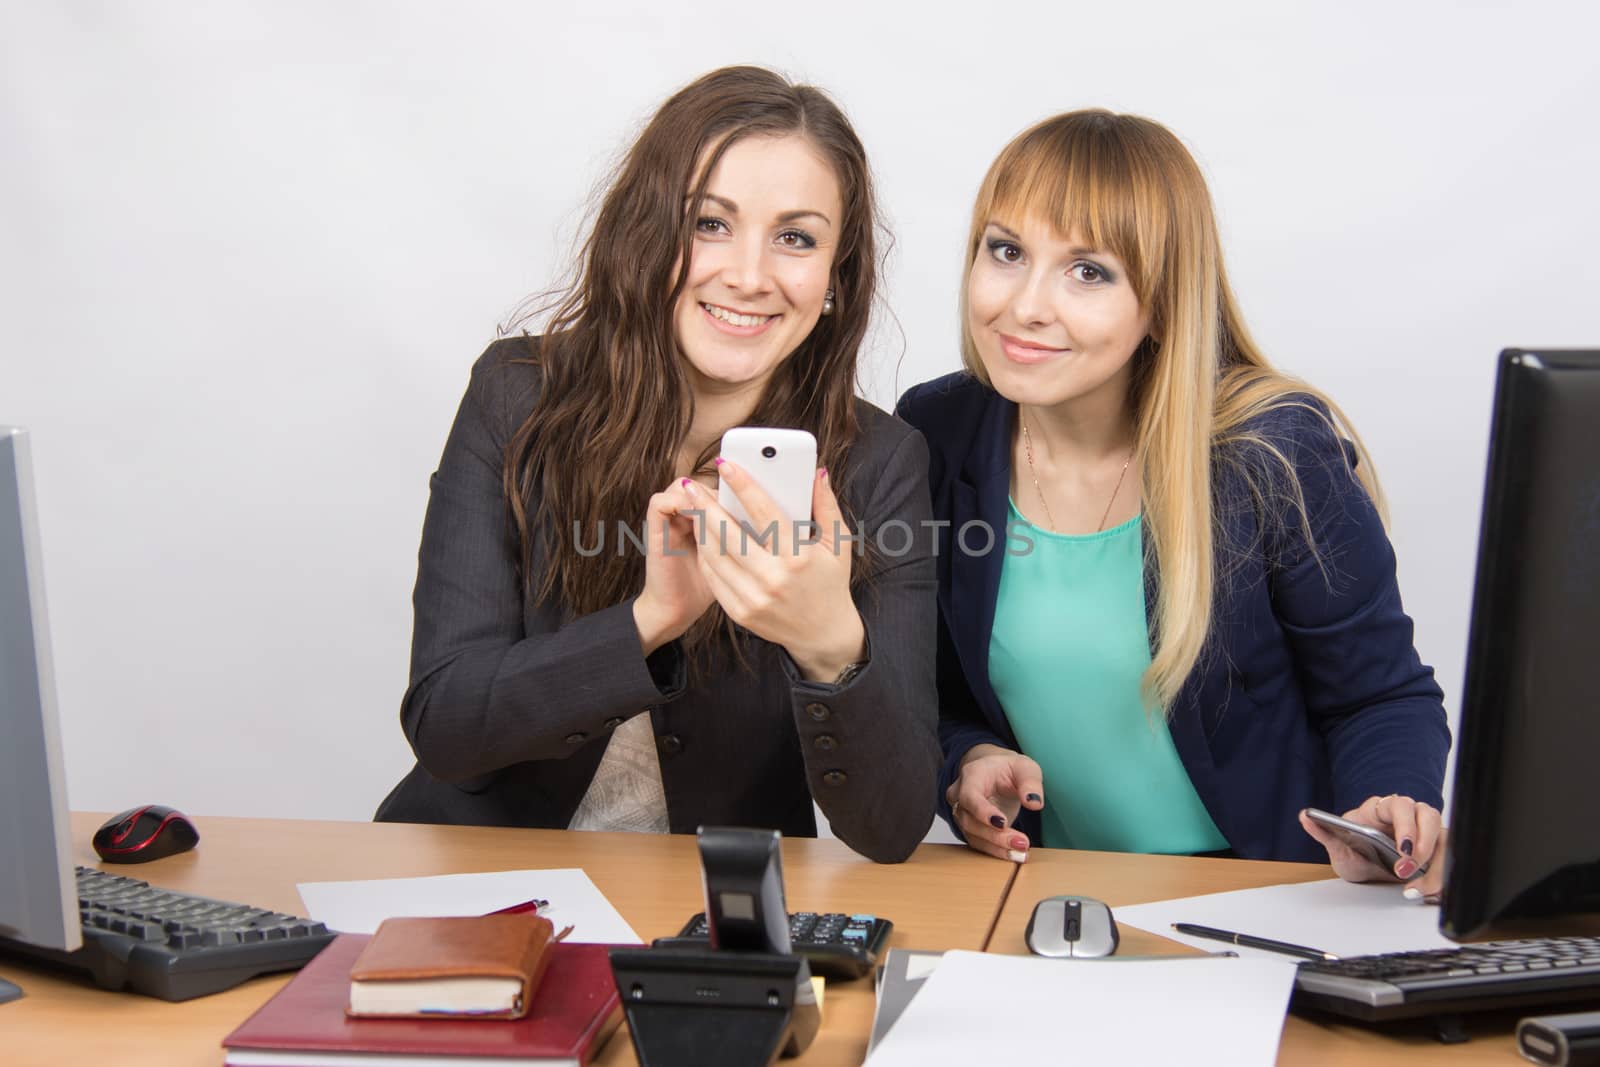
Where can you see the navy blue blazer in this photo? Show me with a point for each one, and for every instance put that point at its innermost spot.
(1309, 693)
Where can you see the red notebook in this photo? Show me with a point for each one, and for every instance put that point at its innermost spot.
(574, 1011)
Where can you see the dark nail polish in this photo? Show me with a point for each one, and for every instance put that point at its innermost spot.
(998, 822)
(1034, 798)
(1405, 846)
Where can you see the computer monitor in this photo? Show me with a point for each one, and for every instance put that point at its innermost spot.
(1525, 834)
(38, 891)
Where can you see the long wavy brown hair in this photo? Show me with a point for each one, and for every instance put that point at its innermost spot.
(615, 404)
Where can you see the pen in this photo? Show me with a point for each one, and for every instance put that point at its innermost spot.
(522, 909)
(1251, 941)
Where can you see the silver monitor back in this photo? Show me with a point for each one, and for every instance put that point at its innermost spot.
(38, 891)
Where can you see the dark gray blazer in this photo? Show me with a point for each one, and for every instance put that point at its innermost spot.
(511, 703)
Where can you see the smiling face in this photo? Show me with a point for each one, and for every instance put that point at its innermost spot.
(763, 254)
(1053, 321)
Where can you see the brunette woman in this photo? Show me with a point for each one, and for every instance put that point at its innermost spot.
(563, 676)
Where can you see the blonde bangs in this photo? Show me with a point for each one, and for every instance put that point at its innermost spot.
(1081, 175)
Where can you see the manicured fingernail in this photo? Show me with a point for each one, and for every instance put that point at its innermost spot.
(1405, 869)
(1017, 857)
(1405, 845)
(719, 461)
(997, 821)
(1035, 798)
(824, 473)
(1412, 893)
(1020, 843)
(687, 482)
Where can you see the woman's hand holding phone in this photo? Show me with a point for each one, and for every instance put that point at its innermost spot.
(1416, 828)
(675, 593)
(794, 591)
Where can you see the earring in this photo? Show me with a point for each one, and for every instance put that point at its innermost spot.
(827, 302)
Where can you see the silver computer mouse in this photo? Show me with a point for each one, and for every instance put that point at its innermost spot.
(1074, 927)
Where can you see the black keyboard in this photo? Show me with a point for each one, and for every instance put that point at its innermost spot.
(1495, 974)
(836, 945)
(176, 946)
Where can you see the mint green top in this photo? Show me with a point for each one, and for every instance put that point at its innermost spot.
(1068, 648)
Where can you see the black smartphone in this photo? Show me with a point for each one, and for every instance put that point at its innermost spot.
(1374, 845)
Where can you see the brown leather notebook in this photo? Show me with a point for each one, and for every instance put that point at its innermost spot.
(482, 967)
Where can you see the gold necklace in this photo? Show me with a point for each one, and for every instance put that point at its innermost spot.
(1027, 450)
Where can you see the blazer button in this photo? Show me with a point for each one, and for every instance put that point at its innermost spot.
(612, 724)
(577, 739)
(835, 778)
(670, 745)
(825, 743)
(818, 712)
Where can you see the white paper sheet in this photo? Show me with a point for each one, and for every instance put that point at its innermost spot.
(358, 907)
(983, 1008)
(1333, 916)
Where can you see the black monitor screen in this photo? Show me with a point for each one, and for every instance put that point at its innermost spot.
(1525, 839)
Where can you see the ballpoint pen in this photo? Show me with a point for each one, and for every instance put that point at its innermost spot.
(1251, 941)
(535, 906)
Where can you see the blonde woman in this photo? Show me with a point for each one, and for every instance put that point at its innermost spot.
(1169, 620)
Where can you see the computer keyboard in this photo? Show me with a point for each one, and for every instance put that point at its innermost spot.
(176, 946)
(837, 945)
(1494, 974)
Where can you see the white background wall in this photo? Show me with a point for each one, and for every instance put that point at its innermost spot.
(248, 253)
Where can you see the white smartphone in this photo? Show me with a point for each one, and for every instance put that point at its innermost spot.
(1374, 845)
(782, 462)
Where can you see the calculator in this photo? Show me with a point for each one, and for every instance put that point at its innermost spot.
(836, 945)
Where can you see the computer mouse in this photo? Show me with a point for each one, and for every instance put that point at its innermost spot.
(140, 835)
(1074, 927)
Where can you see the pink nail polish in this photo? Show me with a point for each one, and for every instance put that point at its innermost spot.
(686, 482)
(1019, 843)
(719, 461)
(824, 473)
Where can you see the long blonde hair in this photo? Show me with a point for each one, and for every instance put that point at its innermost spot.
(1127, 185)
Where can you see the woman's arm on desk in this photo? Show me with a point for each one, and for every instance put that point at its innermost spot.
(1378, 708)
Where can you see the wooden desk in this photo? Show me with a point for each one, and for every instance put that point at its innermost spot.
(944, 897)
(1121, 879)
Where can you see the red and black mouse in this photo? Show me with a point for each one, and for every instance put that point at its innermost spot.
(139, 835)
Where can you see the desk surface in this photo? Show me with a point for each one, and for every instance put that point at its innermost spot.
(1122, 879)
(945, 897)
